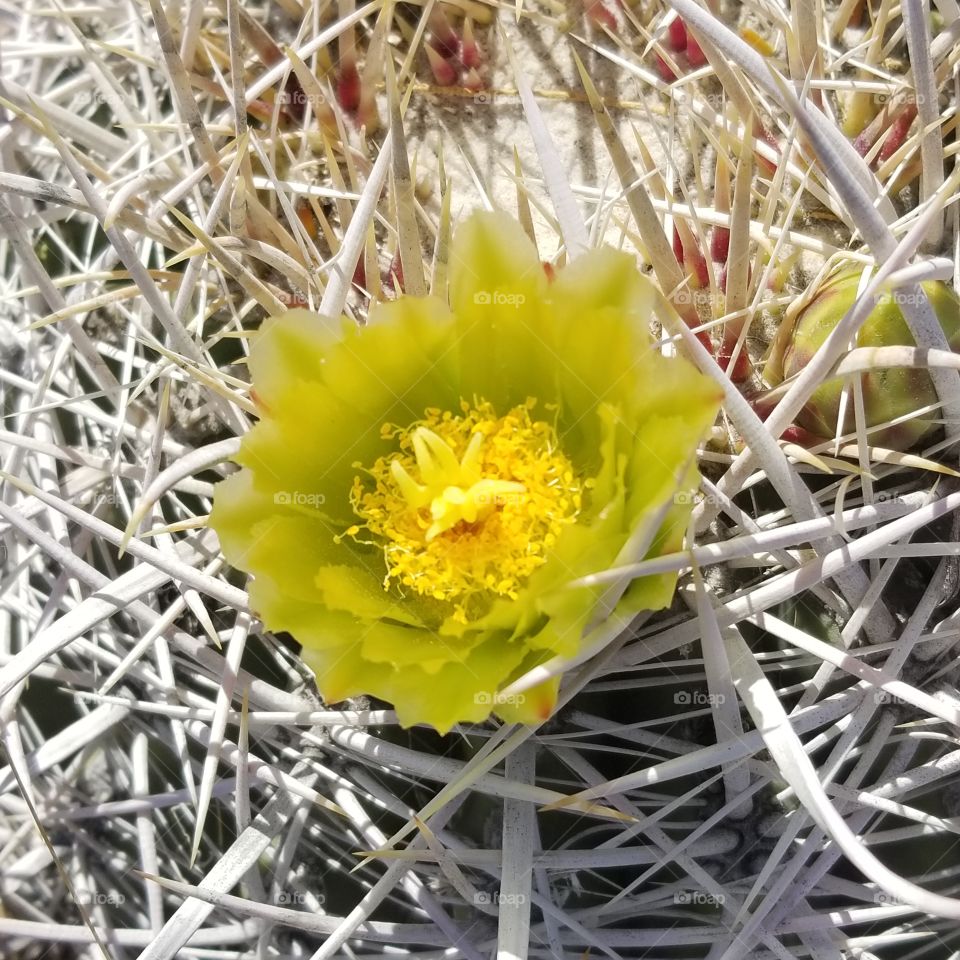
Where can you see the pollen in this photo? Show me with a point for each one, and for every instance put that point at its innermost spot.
(468, 506)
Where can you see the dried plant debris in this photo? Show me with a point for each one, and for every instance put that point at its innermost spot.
(766, 766)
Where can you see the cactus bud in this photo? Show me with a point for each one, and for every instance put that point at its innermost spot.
(888, 393)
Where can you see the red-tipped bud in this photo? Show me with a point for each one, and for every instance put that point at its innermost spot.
(898, 132)
(677, 35)
(687, 251)
(600, 14)
(664, 69)
(677, 245)
(348, 87)
(720, 244)
(443, 36)
(767, 167)
(471, 56)
(474, 80)
(739, 371)
(444, 73)
(796, 434)
(393, 281)
(888, 393)
(696, 263)
(695, 54)
(360, 275)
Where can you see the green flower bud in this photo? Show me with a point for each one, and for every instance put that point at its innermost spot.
(888, 393)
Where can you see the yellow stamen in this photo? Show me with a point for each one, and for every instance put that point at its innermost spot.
(469, 506)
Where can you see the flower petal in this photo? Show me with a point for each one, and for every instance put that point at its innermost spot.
(490, 252)
(460, 691)
(532, 706)
(327, 415)
(292, 550)
(606, 279)
(423, 648)
(403, 361)
(288, 349)
(497, 291)
(237, 508)
(309, 457)
(359, 590)
(258, 532)
(602, 308)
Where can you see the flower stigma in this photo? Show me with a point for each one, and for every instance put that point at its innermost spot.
(470, 505)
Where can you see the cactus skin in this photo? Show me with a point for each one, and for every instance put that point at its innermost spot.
(887, 393)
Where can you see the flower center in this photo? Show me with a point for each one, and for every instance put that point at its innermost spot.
(470, 505)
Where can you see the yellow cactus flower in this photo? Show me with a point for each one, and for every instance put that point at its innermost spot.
(420, 493)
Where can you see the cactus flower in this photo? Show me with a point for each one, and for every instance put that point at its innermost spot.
(420, 492)
(888, 393)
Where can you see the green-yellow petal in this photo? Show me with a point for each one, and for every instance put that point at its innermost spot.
(325, 415)
(237, 508)
(532, 706)
(357, 589)
(288, 350)
(462, 690)
(490, 253)
(497, 292)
